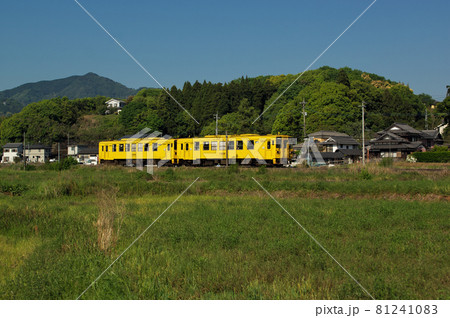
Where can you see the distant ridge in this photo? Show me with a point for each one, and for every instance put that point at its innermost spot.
(78, 86)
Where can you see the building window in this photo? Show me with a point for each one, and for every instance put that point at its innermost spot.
(6, 150)
(206, 145)
(214, 145)
(240, 145)
(196, 146)
(231, 144)
(155, 146)
(250, 144)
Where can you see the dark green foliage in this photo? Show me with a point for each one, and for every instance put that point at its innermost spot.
(433, 156)
(365, 175)
(65, 164)
(12, 189)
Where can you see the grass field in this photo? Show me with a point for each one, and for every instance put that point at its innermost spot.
(225, 238)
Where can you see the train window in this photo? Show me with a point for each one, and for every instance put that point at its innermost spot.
(196, 146)
(181, 146)
(240, 145)
(145, 147)
(127, 147)
(187, 146)
(114, 148)
(278, 143)
(133, 147)
(206, 145)
(174, 145)
(139, 147)
(268, 144)
(155, 146)
(285, 143)
(214, 145)
(121, 147)
(168, 147)
(222, 145)
(231, 145)
(106, 148)
(250, 144)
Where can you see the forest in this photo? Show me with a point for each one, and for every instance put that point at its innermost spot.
(333, 100)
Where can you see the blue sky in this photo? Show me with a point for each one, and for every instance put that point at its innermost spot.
(217, 41)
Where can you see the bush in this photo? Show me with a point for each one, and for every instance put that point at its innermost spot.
(365, 175)
(433, 156)
(262, 169)
(13, 189)
(233, 169)
(169, 175)
(386, 162)
(65, 164)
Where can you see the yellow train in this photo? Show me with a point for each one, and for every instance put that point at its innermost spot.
(209, 150)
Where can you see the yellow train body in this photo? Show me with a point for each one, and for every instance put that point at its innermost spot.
(208, 150)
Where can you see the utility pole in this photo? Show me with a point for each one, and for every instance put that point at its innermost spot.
(363, 106)
(59, 157)
(226, 149)
(426, 118)
(23, 153)
(304, 119)
(216, 116)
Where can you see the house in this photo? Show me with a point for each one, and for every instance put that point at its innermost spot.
(114, 105)
(334, 143)
(37, 153)
(399, 140)
(11, 151)
(83, 154)
(323, 135)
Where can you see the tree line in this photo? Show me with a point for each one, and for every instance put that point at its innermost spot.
(333, 98)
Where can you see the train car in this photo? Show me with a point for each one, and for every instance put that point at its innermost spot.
(249, 149)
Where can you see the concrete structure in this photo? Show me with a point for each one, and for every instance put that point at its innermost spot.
(11, 151)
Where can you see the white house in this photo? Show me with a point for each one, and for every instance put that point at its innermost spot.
(37, 153)
(114, 105)
(339, 142)
(84, 154)
(12, 151)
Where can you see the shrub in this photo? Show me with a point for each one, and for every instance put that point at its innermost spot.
(262, 169)
(169, 175)
(433, 156)
(386, 162)
(365, 175)
(13, 189)
(233, 169)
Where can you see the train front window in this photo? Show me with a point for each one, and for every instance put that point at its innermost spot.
(268, 144)
(206, 145)
(240, 145)
(250, 144)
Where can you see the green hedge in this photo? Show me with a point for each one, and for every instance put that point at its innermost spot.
(438, 156)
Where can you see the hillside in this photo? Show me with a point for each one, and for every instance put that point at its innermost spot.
(333, 98)
(89, 85)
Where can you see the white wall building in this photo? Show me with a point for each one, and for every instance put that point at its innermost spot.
(114, 105)
(37, 153)
(11, 151)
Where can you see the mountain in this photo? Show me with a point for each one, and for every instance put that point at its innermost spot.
(89, 85)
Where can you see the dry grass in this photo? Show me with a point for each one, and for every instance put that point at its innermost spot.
(110, 219)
